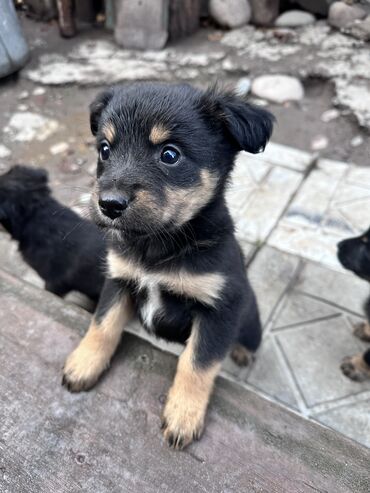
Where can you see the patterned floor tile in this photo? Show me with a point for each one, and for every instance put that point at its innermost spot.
(314, 352)
(270, 274)
(342, 289)
(258, 194)
(286, 156)
(270, 375)
(332, 204)
(298, 308)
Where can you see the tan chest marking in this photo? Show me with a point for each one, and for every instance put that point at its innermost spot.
(205, 288)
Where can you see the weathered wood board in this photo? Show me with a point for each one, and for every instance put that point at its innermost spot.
(108, 440)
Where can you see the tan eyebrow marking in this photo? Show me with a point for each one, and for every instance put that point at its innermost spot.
(158, 134)
(109, 132)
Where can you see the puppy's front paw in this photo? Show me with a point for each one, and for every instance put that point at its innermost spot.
(362, 331)
(355, 368)
(182, 423)
(82, 369)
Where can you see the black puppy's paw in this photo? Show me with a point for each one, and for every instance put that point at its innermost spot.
(355, 368)
(362, 331)
(242, 356)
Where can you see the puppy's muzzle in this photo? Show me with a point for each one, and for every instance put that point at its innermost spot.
(113, 205)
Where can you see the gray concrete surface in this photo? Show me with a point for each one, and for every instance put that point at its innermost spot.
(108, 439)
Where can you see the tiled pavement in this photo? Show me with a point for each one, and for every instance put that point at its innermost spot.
(290, 210)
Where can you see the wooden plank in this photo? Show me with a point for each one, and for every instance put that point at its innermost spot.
(108, 439)
(184, 18)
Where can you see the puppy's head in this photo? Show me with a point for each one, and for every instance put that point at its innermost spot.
(19, 188)
(165, 152)
(354, 254)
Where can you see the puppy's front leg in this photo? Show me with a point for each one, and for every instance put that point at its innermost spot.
(187, 401)
(87, 362)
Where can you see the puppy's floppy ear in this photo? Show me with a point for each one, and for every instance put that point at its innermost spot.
(249, 126)
(97, 107)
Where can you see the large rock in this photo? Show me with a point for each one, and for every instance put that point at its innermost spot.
(142, 24)
(230, 13)
(243, 86)
(294, 18)
(278, 88)
(342, 15)
(264, 12)
(360, 29)
(26, 126)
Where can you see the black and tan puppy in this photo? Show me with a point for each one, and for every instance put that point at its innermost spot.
(64, 249)
(354, 254)
(165, 154)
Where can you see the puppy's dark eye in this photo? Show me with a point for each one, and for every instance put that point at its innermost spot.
(104, 151)
(170, 155)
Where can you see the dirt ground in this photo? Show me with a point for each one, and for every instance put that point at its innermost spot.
(297, 123)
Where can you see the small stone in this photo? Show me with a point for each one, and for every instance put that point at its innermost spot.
(260, 102)
(342, 14)
(23, 95)
(230, 65)
(69, 166)
(243, 86)
(319, 143)
(294, 18)
(357, 141)
(38, 91)
(230, 13)
(59, 148)
(278, 88)
(330, 115)
(27, 126)
(4, 151)
(22, 107)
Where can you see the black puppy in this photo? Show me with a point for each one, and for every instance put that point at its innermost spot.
(165, 154)
(64, 249)
(354, 254)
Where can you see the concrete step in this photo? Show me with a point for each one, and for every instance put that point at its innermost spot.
(108, 439)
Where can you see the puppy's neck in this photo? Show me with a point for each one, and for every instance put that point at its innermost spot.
(200, 235)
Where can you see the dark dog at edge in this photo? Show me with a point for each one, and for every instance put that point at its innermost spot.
(64, 249)
(165, 154)
(354, 255)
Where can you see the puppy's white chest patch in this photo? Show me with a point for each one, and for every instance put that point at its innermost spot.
(152, 305)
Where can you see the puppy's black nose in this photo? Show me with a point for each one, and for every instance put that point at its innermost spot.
(113, 205)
